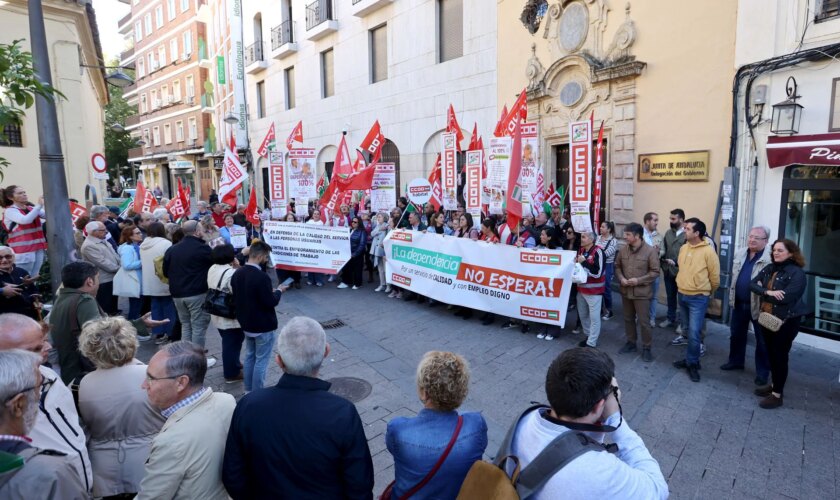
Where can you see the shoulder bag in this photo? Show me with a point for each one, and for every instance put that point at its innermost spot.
(766, 318)
(219, 302)
(388, 493)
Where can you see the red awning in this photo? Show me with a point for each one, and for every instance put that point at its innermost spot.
(822, 149)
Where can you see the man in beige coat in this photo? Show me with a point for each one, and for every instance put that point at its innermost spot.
(186, 456)
(636, 268)
(101, 254)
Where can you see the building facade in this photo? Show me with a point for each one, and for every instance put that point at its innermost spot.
(790, 175)
(341, 65)
(73, 40)
(173, 93)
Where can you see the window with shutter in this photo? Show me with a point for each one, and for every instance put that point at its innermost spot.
(450, 29)
(327, 74)
(379, 54)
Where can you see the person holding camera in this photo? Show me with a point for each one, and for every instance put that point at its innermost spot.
(19, 294)
(584, 398)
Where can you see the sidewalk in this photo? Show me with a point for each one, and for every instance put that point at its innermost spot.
(711, 439)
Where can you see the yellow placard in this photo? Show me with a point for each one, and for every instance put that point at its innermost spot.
(683, 166)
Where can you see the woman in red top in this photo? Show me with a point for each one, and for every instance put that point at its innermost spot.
(489, 233)
(26, 234)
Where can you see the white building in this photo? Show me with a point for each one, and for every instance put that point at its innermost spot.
(337, 64)
(790, 180)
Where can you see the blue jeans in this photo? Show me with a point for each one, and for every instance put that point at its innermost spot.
(231, 348)
(134, 306)
(257, 355)
(164, 308)
(671, 292)
(738, 323)
(693, 309)
(653, 300)
(609, 271)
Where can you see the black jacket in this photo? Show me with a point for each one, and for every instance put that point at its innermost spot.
(296, 440)
(791, 279)
(23, 303)
(254, 299)
(186, 265)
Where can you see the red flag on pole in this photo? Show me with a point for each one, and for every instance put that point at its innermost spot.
(144, 200)
(251, 214)
(598, 173)
(295, 135)
(342, 165)
(453, 127)
(233, 174)
(474, 138)
(434, 180)
(499, 131)
(76, 211)
(517, 113)
(514, 190)
(184, 194)
(267, 143)
(373, 142)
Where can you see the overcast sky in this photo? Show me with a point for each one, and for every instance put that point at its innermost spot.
(108, 12)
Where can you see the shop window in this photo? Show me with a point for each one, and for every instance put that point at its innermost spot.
(810, 216)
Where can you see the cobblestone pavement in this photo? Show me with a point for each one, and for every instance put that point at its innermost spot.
(711, 439)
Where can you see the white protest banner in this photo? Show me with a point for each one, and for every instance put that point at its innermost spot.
(472, 185)
(302, 179)
(307, 247)
(498, 163)
(449, 171)
(580, 174)
(383, 189)
(238, 237)
(302, 207)
(278, 209)
(530, 163)
(276, 175)
(527, 284)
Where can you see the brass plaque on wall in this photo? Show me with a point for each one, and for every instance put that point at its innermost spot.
(683, 166)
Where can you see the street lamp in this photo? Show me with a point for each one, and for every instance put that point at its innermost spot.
(117, 78)
(788, 113)
(116, 127)
(231, 119)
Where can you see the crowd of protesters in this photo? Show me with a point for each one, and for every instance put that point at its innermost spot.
(156, 431)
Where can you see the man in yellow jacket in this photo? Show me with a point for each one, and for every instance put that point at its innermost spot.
(697, 281)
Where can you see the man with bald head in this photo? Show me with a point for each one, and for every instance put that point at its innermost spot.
(57, 425)
(186, 265)
(101, 254)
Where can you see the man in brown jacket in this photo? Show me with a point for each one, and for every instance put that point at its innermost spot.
(636, 268)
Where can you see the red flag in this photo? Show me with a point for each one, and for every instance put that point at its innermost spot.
(374, 140)
(342, 165)
(434, 180)
(267, 142)
(514, 191)
(144, 200)
(233, 174)
(499, 132)
(474, 139)
(360, 161)
(295, 135)
(76, 211)
(598, 173)
(175, 207)
(357, 181)
(184, 195)
(519, 112)
(453, 127)
(251, 214)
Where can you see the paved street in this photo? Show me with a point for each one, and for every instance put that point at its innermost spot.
(710, 438)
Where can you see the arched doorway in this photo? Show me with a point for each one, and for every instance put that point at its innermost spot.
(391, 154)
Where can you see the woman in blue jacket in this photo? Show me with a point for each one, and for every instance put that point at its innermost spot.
(352, 273)
(131, 265)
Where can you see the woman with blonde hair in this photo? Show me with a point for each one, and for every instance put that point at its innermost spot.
(439, 443)
(116, 411)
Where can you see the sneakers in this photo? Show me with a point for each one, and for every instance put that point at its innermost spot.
(771, 402)
(309, 283)
(583, 343)
(331, 279)
(319, 284)
(143, 338)
(211, 362)
(679, 330)
(653, 323)
(356, 287)
(647, 357)
(609, 315)
(342, 285)
(387, 288)
(627, 348)
(549, 337)
(379, 288)
(541, 335)
(163, 340)
(392, 294)
(666, 323)
(679, 340)
(702, 349)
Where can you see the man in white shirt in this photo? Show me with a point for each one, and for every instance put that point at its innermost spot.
(583, 395)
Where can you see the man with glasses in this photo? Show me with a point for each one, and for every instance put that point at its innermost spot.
(44, 473)
(747, 264)
(186, 456)
(101, 254)
(57, 422)
(584, 399)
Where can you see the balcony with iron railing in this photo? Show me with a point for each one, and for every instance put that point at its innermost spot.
(283, 39)
(254, 58)
(320, 21)
(361, 8)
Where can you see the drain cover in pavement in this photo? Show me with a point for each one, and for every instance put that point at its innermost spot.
(331, 324)
(350, 388)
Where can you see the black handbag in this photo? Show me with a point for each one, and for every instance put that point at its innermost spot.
(218, 302)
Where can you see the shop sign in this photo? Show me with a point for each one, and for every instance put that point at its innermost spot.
(682, 166)
(180, 164)
(820, 149)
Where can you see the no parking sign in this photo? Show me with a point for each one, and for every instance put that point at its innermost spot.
(97, 161)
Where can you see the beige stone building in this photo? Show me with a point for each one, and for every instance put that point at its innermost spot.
(72, 40)
(658, 76)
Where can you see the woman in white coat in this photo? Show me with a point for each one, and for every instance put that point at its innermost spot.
(163, 307)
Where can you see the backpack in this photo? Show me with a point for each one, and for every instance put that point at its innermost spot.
(486, 481)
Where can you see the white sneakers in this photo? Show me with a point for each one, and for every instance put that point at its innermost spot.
(342, 285)
(211, 362)
(356, 287)
(379, 288)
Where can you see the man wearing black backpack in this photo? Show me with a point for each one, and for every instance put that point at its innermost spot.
(584, 399)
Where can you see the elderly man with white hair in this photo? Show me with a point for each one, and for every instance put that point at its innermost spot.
(590, 294)
(45, 473)
(101, 254)
(281, 445)
(100, 213)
